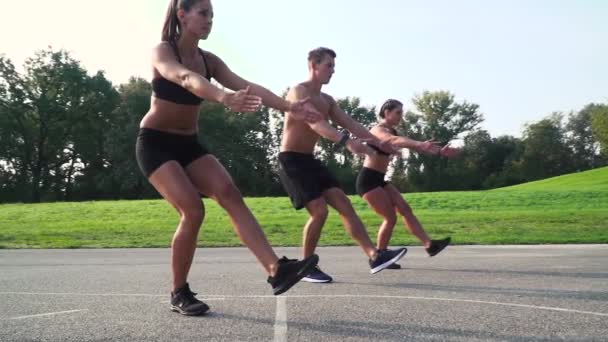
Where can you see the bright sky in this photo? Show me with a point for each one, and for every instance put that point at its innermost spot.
(519, 60)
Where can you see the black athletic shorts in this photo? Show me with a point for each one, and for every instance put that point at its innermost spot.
(154, 148)
(369, 179)
(304, 177)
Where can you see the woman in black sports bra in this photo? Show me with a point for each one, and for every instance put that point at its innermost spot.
(383, 196)
(180, 168)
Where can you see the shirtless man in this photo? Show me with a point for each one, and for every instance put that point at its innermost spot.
(308, 182)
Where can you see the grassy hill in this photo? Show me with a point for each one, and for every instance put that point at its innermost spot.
(592, 180)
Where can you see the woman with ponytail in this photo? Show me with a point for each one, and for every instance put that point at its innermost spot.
(384, 197)
(181, 169)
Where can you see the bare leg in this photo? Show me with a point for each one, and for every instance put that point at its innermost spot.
(173, 184)
(352, 223)
(212, 179)
(405, 210)
(380, 201)
(312, 230)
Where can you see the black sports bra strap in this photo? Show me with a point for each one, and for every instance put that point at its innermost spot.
(179, 58)
(205, 61)
(176, 51)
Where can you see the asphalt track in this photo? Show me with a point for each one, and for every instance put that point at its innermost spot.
(467, 293)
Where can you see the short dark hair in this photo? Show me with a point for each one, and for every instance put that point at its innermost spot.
(389, 104)
(317, 55)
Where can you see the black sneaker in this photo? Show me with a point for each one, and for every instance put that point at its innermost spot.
(317, 276)
(386, 258)
(394, 266)
(290, 272)
(437, 246)
(184, 302)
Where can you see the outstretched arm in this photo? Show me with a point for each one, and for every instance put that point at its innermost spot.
(327, 131)
(164, 61)
(449, 151)
(429, 146)
(222, 73)
(355, 146)
(344, 120)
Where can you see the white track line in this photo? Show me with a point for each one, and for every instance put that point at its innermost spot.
(549, 308)
(85, 294)
(538, 307)
(280, 321)
(204, 299)
(49, 314)
(98, 294)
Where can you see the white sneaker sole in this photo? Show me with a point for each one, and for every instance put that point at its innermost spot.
(311, 280)
(390, 262)
(196, 313)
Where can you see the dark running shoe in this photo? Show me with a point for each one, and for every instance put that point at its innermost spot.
(290, 272)
(386, 258)
(317, 276)
(437, 246)
(184, 302)
(394, 266)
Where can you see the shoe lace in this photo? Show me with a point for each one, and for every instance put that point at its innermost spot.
(285, 259)
(189, 295)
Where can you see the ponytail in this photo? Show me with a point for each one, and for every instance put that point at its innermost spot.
(171, 26)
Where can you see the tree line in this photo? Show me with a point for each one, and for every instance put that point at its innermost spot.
(67, 135)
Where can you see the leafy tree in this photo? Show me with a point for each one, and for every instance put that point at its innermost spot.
(438, 116)
(46, 110)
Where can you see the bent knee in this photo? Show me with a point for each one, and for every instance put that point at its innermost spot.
(390, 220)
(228, 193)
(192, 212)
(343, 205)
(318, 210)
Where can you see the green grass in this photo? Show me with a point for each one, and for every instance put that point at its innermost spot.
(568, 209)
(592, 180)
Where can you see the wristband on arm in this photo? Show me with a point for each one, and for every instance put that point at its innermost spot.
(342, 142)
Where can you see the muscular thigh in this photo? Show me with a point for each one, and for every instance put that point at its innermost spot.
(338, 200)
(380, 200)
(172, 182)
(209, 176)
(398, 201)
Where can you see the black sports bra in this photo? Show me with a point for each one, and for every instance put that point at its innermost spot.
(377, 149)
(166, 90)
